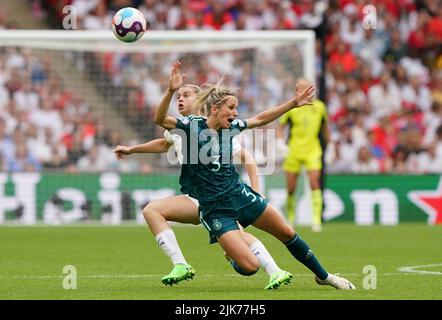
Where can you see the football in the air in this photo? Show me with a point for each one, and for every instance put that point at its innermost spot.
(129, 24)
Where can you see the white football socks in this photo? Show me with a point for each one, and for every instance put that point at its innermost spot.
(265, 259)
(168, 243)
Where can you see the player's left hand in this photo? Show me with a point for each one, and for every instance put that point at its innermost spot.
(305, 93)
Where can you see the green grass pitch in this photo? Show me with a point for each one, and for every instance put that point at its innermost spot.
(125, 262)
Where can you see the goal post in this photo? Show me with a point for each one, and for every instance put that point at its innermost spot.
(153, 41)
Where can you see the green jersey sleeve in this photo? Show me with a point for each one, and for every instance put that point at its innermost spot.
(183, 123)
(239, 125)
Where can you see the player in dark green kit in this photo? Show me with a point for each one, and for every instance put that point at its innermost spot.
(183, 208)
(224, 200)
(216, 183)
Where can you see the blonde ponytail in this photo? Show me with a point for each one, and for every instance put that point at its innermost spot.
(211, 95)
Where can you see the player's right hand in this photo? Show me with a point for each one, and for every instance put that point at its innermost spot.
(121, 151)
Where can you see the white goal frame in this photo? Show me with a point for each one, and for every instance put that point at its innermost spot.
(190, 41)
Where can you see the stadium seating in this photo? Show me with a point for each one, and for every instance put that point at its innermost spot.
(383, 86)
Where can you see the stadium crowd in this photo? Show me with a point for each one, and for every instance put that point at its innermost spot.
(43, 124)
(383, 86)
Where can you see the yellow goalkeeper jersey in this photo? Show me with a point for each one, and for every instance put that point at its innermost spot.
(305, 126)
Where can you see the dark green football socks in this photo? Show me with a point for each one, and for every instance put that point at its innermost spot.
(301, 251)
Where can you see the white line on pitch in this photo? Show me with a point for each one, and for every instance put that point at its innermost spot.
(412, 269)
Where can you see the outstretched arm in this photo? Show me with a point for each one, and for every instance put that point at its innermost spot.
(154, 146)
(175, 82)
(304, 97)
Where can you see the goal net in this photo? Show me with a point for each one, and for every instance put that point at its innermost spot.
(67, 98)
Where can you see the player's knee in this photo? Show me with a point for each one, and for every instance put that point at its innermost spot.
(242, 271)
(286, 235)
(150, 212)
(249, 266)
(254, 266)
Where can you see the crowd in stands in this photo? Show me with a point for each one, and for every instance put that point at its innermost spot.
(44, 125)
(383, 86)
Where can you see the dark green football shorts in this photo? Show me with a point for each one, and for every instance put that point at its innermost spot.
(218, 217)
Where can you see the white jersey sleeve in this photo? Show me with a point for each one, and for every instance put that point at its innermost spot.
(236, 146)
(169, 137)
(175, 139)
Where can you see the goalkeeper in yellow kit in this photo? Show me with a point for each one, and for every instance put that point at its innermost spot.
(307, 126)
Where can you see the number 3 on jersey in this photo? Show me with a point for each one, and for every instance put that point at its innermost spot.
(247, 194)
(216, 163)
